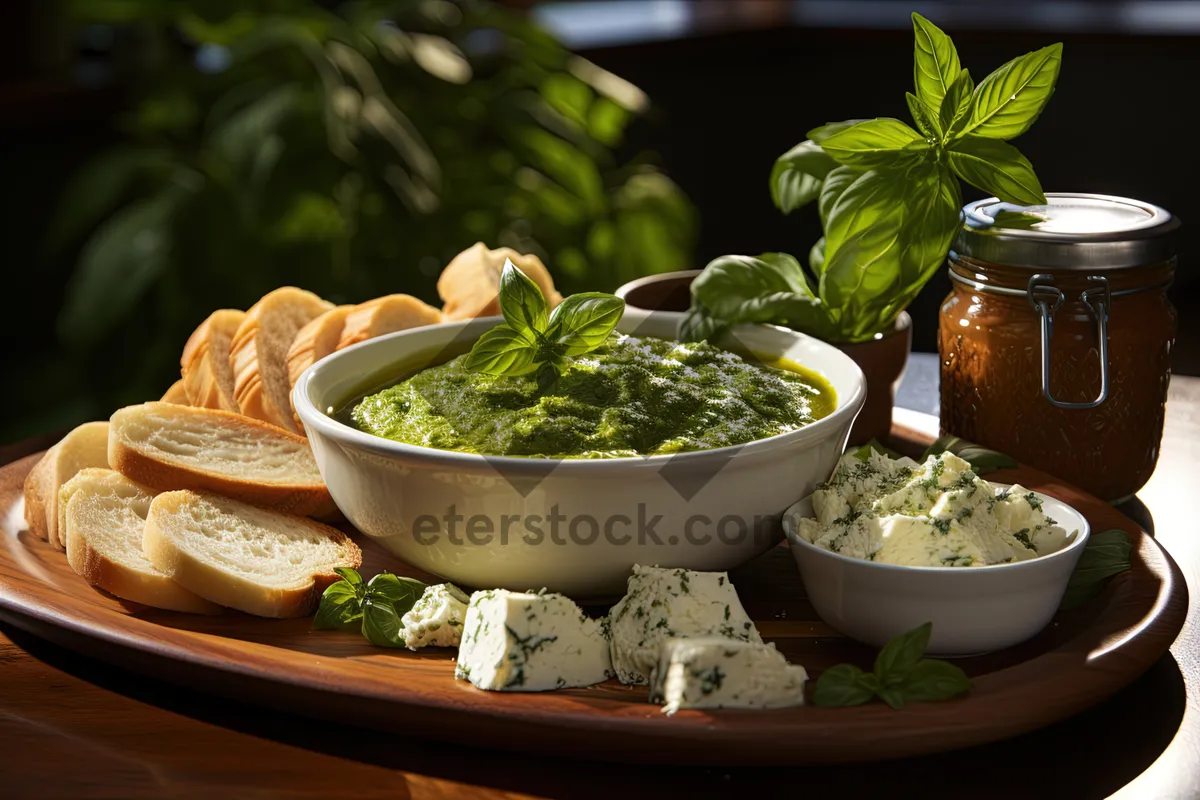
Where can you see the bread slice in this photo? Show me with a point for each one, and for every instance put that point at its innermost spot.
(470, 284)
(395, 312)
(177, 393)
(104, 515)
(169, 447)
(258, 561)
(316, 340)
(259, 353)
(86, 446)
(207, 373)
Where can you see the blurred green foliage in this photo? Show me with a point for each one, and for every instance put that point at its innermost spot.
(274, 142)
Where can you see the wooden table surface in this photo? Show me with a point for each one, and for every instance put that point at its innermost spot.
(74, 727)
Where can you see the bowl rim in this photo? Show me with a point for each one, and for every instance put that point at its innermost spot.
(312, 416)
(795, 540)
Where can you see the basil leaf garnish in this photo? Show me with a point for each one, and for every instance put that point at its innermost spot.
(935, 61)
(902, 675)
(532, 340)
(798, 174)
(381, 623)
(997, 168)
(1107, 553)
(771, 287)
(842, 685)
(699, 325)
(583, 321)
(863, 453)
(1011, 99)
(890, 209)
(340, 607)
(981, 459)
(349, 575)
(401, 593)
(502, 351)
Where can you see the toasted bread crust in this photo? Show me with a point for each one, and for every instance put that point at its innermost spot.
(36, 491)
(470, 284)
(301, 499)
(206, 359)
(258, 360)
(388, 314)
(316, 340)
(208, 581)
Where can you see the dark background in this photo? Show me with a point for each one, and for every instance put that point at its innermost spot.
(732, 86)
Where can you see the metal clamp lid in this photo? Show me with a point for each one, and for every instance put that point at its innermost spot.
(1073, 231)
(1046, 299)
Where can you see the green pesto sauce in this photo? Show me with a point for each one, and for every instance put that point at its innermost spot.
(629, 397)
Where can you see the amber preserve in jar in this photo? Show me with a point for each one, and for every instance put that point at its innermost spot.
(1055, 341)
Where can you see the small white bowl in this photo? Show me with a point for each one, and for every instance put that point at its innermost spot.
(973, 609)
(715, 508)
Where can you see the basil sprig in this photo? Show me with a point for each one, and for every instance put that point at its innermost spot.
(889, 198)
(902, 675)
(1107, 553)
(374, 607)
(532, 339)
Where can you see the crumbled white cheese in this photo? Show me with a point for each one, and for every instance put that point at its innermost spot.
(436, 619)
(712, 672)
(939, 513)
(665, 603)
(530, 642)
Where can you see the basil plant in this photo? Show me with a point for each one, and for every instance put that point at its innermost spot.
(888, 196)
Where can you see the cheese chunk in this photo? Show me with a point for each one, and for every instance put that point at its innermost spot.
(530, 642)
(436, 619)
(665, 603)
(711, 672)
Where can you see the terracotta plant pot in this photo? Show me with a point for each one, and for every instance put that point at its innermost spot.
(882, 360)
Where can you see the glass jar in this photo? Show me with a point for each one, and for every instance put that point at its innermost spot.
(1055, 340)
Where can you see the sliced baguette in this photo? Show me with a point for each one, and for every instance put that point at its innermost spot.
(103, 519)
(237, 555)
(176, 394)
(86, 446)
(259, 353)
(207, 373)
(316, 340)
(470, 284)
(394, 312)
(171, 447)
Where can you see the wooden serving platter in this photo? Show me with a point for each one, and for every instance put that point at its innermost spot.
(1081, 658)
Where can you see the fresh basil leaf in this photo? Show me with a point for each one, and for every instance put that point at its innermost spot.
(798, 174)
(349, 575)
(820, 134)
(1107, 553)
(341, 607)
(768, 288)
(924, 117)
(956, 104)
(935, 61)
(381, 623)
(932, 679)
(816, 257)
(843, 685)
(836, 183)
(877, 143)
(981, 459)
(1011, 99)
(996, 167)
(901, 654)
(892, 695)
(583, 322)
(874, 445)
(699, 325)
(521, 301)
(502, 351)
(401, 592)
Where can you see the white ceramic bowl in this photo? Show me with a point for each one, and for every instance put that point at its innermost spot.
(973, 609)
(446, 512)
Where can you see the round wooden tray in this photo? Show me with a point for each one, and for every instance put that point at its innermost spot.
(1081, 658)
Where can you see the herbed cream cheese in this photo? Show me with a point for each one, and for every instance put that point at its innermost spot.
(436, 620)
(935, 514)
